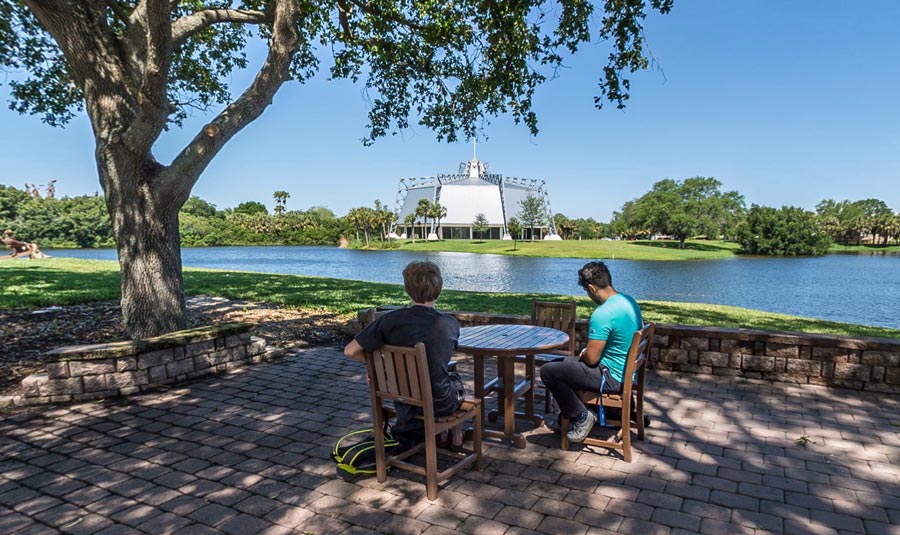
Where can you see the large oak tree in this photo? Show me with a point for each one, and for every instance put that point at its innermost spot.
(137, 68)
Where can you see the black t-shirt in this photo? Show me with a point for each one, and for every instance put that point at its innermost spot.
(408, 326)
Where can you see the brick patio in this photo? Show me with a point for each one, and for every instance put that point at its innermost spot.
(247, 453)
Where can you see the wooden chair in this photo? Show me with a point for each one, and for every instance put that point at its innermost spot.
(632, 396)
(560, 316)
(400, 374)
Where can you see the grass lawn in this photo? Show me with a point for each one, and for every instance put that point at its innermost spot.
(57, 281)
(599, 249)
(864, 249)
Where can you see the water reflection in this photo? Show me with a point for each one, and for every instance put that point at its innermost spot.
(853, 288)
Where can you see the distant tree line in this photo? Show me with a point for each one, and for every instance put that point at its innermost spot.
(697, 208)
(677, 210)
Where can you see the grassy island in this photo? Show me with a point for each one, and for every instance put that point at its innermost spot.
(58, 281)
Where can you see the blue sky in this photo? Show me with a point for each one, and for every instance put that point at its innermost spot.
(785, 102)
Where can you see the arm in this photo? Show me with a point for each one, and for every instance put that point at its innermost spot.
(355, 351)
(590, 355)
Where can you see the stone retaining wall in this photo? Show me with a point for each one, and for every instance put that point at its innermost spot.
(95, 371)
(858, 363)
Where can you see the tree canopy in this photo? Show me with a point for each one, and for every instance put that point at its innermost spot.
(138, 67)
(682, 209)
(788, 231)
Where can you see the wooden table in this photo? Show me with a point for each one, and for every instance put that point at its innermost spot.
(505, 342)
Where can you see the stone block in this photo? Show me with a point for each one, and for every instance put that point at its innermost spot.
(881, 387)
(180, 367)
(58, 370)
(219, 357)
(780, 365)
(734, 361)
(892, 376)
(202, 362)
(731, 372)
(198, 348)
(736, 346)
(835, 354)
(65, 398)
(673, 356)
(89, 396)
(232, 341)
(695, 342)
(91, 367)
(880, 358)
(256, 347)
(129, 390)
(178, 353)
(660, 340)
(785, 378)
(759, 348)
(752, 375)
(852, 372)
(126, 364)
(694, 368)
(756, 363)
(244, 337)
(60, 387)
(693, 356)
(714, 358)
(127, 379)
(31, 385)
(154, 359)
(94, 383)
(158, 374)
(878, 374)
(782, 350)
(846, 383)
(239, 353)
(804, 367)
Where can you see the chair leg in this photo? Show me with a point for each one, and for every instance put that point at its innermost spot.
(476, 438)
(639, 412)
(380, 456)
(431, 466)
(564, 431)
(529, 376)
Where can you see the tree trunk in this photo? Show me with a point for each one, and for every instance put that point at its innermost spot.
(146, 230)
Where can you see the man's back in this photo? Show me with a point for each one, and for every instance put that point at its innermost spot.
(408, 326)
(616, 321)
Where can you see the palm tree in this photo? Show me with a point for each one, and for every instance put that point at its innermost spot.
(438, 212)
(410, 222)
(423, 210)
(281, 198)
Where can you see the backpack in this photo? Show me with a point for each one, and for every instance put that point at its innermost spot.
(354, 452)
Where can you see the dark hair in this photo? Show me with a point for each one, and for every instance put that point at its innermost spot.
(423, 281)
(595, 273)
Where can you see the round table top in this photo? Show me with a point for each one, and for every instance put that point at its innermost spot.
(512, 339)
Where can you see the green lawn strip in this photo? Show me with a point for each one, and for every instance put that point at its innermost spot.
(864, 249)
(600, 249)
(32, 284)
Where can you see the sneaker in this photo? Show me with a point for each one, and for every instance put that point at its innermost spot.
(552, 422)
(582, 427)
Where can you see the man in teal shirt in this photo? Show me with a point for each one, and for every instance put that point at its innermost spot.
(611, 327)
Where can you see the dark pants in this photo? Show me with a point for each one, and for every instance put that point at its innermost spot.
(565, 376)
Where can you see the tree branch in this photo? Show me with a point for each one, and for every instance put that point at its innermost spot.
(193, 23)
(193, 159)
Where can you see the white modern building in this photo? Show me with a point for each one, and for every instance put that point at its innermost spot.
(472, 190)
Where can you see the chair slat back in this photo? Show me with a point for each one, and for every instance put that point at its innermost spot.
(638, 355)
(401, 373)
(560, 316)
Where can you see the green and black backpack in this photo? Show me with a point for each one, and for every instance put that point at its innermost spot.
(354, 452)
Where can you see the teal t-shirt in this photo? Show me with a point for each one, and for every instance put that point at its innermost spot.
(615, 321)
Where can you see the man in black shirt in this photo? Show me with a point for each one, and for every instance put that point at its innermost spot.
(418, 323)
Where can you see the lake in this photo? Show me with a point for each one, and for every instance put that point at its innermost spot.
(862, 289)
